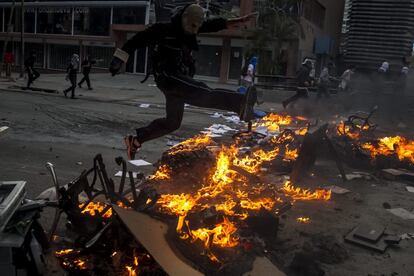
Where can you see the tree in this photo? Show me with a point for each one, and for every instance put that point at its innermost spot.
(278, 22)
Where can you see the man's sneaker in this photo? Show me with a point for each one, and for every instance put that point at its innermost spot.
(90, 88)
(65, 93)
(80, 86)
(132, 145)
(249, 100)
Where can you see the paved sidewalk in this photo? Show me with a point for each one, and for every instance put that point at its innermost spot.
(123, 88)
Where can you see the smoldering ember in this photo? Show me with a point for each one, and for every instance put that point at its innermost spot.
(268, 137)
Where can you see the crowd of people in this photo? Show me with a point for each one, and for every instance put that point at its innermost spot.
(71, 72)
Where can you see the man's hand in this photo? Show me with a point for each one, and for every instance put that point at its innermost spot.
(115, 66)
(242, 21)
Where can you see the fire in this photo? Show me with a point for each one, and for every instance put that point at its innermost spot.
(191, 144)
(163, 173)
(65, 252)
(177, 204)
(302, 194)
(78, 264)
(398, 145)
(252, 164)
(303, 220)
(266, 203)
(285, 137)
(352, 131)
(302, 131)
(95, 208)
(290, 155)
(221, 235)
(273, 121)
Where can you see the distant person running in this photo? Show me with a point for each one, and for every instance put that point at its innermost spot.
(304, 81)
(72, 71)
(86, 69)
(32, 74)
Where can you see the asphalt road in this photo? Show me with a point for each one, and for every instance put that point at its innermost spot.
(69, 133)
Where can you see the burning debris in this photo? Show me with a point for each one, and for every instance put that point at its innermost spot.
(213, 194)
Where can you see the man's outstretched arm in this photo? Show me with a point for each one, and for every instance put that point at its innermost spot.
(140, 40)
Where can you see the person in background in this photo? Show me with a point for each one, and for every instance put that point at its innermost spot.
(86, 69)
(9, 61)
(72, 71)
(248, 73)
(304, 81)
(32, 74)
(346, 76)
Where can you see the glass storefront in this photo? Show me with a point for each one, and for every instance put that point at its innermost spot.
(129, 15)
(54, 20)
(60, 55)
(92, 21)
(102, 55)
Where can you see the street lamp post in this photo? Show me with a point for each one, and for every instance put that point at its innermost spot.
(22, 40)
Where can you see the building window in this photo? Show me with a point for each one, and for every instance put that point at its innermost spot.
(92, 21)
(129, 15)
(314, 12)
(102, 55)
(208, 60)
(60, 55)
(54, 20)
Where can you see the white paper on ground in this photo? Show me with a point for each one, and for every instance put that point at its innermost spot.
(216, 115)
(3, 128)
(402, 213)
(210, 134)
(144, 105)
(410, 189)
(139, 162)
(119, 174)
(337, 190)
(172, 143)
(262, 130)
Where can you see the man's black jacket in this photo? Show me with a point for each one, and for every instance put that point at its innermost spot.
(169, 46)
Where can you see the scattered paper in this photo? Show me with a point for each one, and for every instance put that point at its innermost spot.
(119, 174)
(152, 85)
(172, 143)
(402, 213)
(79, 163)
(337, 190)
(144, 105)
(218, 129)
(262, 130)
(410, 189)
(4, 128)
(359, 175)
(230, 119)
(407, 236)
(139, 162)
(210, 134)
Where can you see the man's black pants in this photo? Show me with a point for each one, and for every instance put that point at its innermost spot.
(32, 75)
(85, 78)
(301, 93)
(179, 90)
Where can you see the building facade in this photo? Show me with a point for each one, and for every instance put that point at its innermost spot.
(379, 30)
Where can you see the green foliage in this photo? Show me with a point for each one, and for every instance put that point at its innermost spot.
(278, 22)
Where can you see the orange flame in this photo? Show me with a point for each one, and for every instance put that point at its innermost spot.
(301, 194)
(266, 203)
(65, 252)
(222, 235)
(191, 144)
(252, 164)
(303, 220)
(290, 155)
(95, 208)
(398, 145)
(273, 121)
(163, 173)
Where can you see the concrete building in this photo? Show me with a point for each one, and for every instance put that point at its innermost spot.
(56, 29)
(379, 30)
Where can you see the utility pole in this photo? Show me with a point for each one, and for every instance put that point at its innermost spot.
(22, 40)
(9, 30)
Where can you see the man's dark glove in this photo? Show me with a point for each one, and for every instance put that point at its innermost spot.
(115, 66)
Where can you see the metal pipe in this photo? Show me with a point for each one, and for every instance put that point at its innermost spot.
(22, 40)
